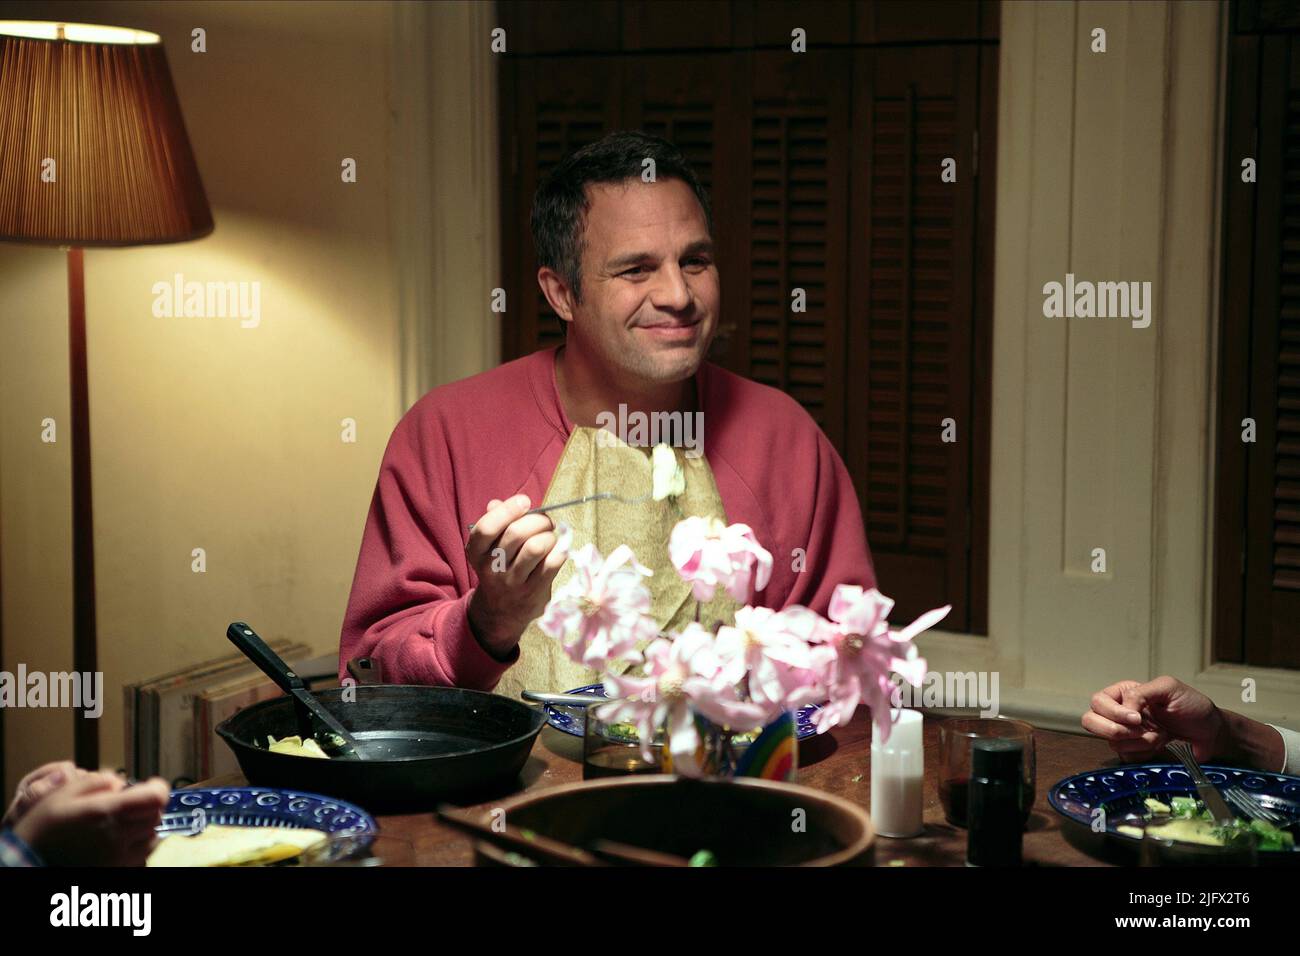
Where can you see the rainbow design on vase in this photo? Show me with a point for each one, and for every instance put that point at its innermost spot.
(774, 753)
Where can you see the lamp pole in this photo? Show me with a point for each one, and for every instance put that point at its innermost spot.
(85, 656)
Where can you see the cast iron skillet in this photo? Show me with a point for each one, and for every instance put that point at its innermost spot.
(419, 745)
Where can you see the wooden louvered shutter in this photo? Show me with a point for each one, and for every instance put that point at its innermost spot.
(1257, 486)
(823, 171)
(690, 101)
(1234, 353)
(678, 98)
(1272, 525)
(911, 320)
(562, 103)
(796, 193)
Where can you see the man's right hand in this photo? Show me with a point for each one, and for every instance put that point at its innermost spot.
(516, 557)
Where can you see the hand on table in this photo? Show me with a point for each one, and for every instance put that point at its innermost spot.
(1138, 720)
(514, 583)
(92, 818)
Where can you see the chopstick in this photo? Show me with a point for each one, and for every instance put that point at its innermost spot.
(636, 855)
(555, 852)
(513, 839)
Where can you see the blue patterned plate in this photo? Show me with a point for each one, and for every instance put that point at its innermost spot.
(573, 720)
(191, 810)
(1121, 790)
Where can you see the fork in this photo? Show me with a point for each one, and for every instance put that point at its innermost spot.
(1234, 794)
(188, 822)
(600, 496)
(1252, 808)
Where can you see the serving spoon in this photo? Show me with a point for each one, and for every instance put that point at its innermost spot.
(341, 742)
(563, 700)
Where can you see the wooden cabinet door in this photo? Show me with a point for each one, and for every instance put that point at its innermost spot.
(853, 277)
(1257, 495)
(1272, 569)
(793, 281)
(912, 319)
(551, 107)
(696, 103)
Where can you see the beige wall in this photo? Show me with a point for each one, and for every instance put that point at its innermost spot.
(206, 434)
(209, 435)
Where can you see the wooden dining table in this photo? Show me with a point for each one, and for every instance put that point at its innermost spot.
(837, 762)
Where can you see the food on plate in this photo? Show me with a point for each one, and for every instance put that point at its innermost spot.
(1205, 831)
(1186, 820)
(626, 732)
(220, 845)
(667, 478)
(295, 745)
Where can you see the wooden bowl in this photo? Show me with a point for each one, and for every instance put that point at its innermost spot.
(743, 822)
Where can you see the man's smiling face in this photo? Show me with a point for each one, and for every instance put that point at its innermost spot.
(649, 282)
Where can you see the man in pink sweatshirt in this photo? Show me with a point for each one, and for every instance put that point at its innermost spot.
(629, 266)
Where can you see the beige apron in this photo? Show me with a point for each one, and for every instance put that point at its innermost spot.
(586, 468)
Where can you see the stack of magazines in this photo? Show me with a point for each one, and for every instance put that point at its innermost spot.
(171, 720)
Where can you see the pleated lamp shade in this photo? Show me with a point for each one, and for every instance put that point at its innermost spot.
(93, 149)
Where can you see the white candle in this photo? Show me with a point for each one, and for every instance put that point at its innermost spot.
(898, 776)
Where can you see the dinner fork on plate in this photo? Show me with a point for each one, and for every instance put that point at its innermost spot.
(1247, 804)
(1235, 794)
(188, 822)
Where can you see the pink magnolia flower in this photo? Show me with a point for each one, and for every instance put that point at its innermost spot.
(769, 650)
(858, 652)
(602, 613)
(682, 676)
(710, 554)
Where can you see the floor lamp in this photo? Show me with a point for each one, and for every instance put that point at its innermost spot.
(93, 152)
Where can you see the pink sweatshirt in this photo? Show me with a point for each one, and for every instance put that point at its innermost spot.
(502, 433)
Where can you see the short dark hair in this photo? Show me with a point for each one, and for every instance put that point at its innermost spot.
(561, 203)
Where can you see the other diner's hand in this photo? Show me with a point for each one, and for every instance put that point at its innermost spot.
(516, 557)
(95, 819)
(36, 785)
(1138, 720)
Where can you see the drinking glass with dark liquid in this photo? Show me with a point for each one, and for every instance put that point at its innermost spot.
(956, 737)
(613, 750)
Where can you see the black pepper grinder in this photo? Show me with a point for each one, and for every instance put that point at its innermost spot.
(994, 815)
